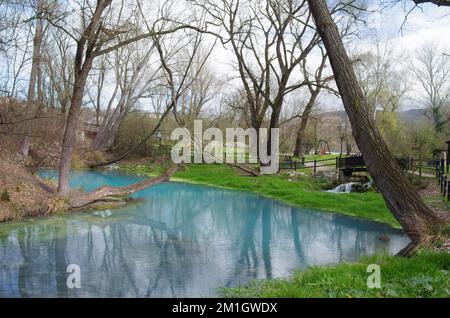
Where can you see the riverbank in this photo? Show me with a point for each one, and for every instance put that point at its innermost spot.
(302, 191)
(20, 195)
(423, 275)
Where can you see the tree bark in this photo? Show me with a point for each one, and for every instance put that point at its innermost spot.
(419, 222)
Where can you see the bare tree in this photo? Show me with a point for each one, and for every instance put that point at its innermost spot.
(10, 23)
(103, 30)
(135, 78)
(381, 77)
(35, 76)
(314, 86)
(177, 58)
(201, 92)
(269, 40)
(432, 70)
(58, 70)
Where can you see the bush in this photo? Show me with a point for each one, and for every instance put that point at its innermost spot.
(94, 156)
(5, 196)
(77, 162)
(131, 132)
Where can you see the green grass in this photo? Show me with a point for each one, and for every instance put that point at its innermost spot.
(304, 192)
(424, 275)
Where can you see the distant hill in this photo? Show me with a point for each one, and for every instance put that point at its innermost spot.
(411, 116)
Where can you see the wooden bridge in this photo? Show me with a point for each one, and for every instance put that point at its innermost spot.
(350, 165)
(90, 128)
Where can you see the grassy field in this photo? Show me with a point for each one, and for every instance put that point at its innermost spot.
(424, 275)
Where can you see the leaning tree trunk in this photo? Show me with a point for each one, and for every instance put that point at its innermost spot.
(418, 221)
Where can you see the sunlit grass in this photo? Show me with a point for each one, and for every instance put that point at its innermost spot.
(424, 275)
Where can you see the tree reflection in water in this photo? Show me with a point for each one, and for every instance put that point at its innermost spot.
(182, 240)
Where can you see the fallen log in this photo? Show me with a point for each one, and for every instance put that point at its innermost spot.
(109, 194)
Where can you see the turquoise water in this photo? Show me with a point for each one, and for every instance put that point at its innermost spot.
(181, 240)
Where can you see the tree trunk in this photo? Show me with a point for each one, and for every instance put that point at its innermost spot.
(298, 151)
(36, 61)
(84, 58)
(418, 221)
(70, 133)
(274, 123)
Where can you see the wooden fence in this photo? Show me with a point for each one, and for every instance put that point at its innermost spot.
(442, 170)
(313, 164)
(349, 165)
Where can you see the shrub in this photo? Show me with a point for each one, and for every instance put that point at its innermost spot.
(5, 196)
(131, 132)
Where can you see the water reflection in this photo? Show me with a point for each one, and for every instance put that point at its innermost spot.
(183, 240)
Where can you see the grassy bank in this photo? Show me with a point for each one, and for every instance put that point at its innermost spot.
(304, 191)
(424, 275)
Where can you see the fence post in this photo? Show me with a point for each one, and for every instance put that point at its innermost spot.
(436, 163)
(303, 161)
(448, 190)
(445, 186)
(448, 156)
(337, 163)
(420, 166)
(315, 166)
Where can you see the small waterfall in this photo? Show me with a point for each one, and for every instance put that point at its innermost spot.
(343, 188)
(349, 187)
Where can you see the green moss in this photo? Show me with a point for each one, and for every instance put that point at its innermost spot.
(424, 275)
